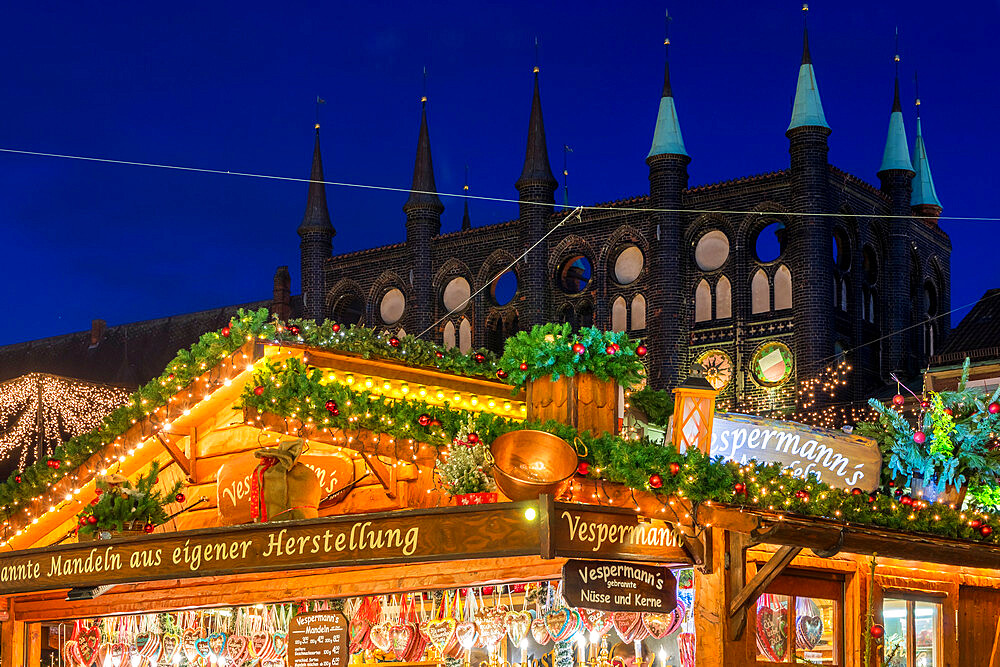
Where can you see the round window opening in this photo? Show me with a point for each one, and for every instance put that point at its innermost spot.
(628, 265)
(841, 250)
(574, 274)
(869, 264)
(718, 368)
(770, 242)
(456, 294)
(712, 250)
(348, 309)
(504, 288)
(392, 306)
(771, 364)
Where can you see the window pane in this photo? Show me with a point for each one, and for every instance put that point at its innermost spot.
(815, 631)
(772, 627)
(926, 621)
(896, 645)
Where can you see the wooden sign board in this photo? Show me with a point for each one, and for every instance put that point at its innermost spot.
(611, 586)
(581, 531)
(451, 533)
(841, 460)
(317, 639)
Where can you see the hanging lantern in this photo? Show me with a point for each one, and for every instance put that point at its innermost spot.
(694, 409)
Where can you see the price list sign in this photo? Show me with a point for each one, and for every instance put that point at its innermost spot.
(318, 639)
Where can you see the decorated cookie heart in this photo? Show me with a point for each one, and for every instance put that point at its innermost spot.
(189, 638)
(466, 633)
(171, 646)
(217, 642)
(441, 632)
(379, 636)
(401, 637)
(562, 623)
(71, 653)
(809, 631)
(262, 646)
(539, 632)
(492, 625)
(596, 621)
(676, 618)
(280, 645)
(88, 642)
(657, 625)
(518, 623)
(628, 624)
(237, 650)
(202, 646)
(771, 638)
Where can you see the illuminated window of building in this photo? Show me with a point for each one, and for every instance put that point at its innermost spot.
(760, 293)
(912, 632)
(782, 288)
(638, 312)
(464, 336)
(449, 335)
(703, 302)
(619, 314)
(723, 299)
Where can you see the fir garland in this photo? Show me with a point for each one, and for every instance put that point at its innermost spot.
(120, 503)
(557, 350)
(467, 468)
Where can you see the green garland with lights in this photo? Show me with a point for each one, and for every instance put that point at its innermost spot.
(557, 350)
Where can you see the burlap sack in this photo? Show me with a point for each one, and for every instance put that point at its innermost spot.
(288, 490)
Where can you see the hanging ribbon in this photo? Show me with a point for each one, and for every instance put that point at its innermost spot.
(258, 508)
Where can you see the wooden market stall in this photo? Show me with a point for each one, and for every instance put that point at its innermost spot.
(768, 586)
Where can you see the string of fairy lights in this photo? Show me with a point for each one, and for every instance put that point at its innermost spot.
(39, 411)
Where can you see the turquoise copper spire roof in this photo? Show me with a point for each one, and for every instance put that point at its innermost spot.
(807, 110)
(923, 182)
(667, 139)
(896, 155)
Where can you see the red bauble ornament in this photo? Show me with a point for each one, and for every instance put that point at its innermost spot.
(641, 350)
(578, 348)
(98, 490)
(472, 438)
(180, 497)
(95, 501)
(924, 405)
(674, 468)
(149, 528)
(947, 411)
(898, 399)
(17, 479)
(616, 346)
(975, 523)
(92, 519)
(740, 487)
(876, 631)
(919, 437)
(610, 349)
(331, 406)
(856, 491)
(871, 499)
(479, 357)
(226, 331)
(55, 463)
(83, 521)
(583, 468)
(258, 390)
(336, 328)
(424, 419)
(906, 500)
(523, 366)
(502, 374)
(394, 342)
(293, 329)
(985, 530)
(170, 377)
(993, 408)
(655, 481)
(439, 354)
(434, 422)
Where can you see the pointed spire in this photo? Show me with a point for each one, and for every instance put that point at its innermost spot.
(536, 158)
(317, 217)
(667, 138)
(924, 193)
(424, 193)
(896, 154)
(466, 222)
(807, 109)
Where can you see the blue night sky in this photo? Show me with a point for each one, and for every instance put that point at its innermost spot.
(232, 86)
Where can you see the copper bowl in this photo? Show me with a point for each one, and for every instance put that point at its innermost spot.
(527, 464)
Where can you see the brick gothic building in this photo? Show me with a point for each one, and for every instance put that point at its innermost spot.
(760, 298)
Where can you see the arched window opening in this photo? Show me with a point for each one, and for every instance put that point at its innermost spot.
(348, 309)
(619, 315)
(782, 288)
(585, 315)
(703, 302)
(449, 336)
(871, 306)
(843, 295)
(464, 336)
(723, 299)
(495, 335)
(760, 293)
(639, 312)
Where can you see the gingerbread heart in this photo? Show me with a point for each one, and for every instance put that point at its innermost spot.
(237, 650)
(771, 637)
(171, 646)
(189, 639)
(595, 620)
(492, 626)
(358, 634)
(562, 623)
(539, 632)
(466, 633)
(518, 623)
(628, 624)
(202, 646)
(808, 631)
(379, 636)
(676, 618)
(656, 624)
(262, 646)
(88, 642)
(400, 638)
(441, 632)
(280, 645)
(71, 653)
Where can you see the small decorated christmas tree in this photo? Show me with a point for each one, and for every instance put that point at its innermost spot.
(120, 505)
(466, 471)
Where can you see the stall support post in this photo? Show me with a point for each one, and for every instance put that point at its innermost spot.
(12, 639)
(713, 647)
